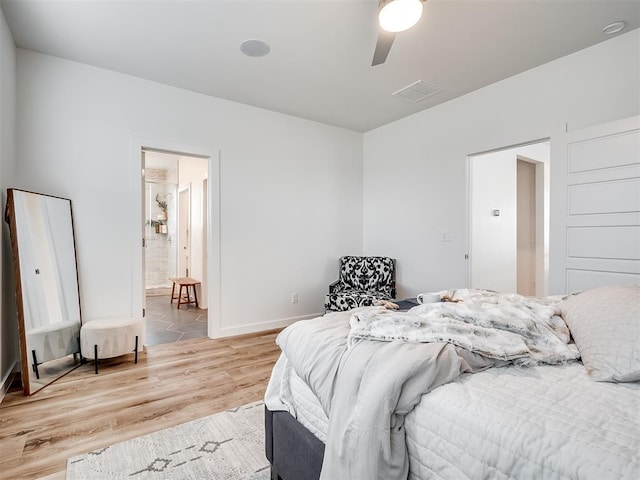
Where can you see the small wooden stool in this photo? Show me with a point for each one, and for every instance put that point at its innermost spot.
(190, 284)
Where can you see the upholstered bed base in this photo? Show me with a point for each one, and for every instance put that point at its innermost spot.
(294, 452)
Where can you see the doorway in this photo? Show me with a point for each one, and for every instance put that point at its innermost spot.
(526, 234)
(172, 211)
(508, 192)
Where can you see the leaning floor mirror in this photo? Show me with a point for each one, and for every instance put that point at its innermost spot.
(46, 278)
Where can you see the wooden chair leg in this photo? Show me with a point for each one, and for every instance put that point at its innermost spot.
(180, 296)
(173, 289)
(195, 295)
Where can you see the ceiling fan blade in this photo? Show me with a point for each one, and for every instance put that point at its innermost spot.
(383, 45)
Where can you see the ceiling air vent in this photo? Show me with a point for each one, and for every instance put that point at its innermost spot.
(417, 91)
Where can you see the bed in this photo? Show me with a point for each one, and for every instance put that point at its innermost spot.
(371, 393)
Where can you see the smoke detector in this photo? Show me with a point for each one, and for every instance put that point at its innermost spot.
(254, 48)
(614, 27)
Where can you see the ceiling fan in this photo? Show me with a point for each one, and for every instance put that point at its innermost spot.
(394, 16)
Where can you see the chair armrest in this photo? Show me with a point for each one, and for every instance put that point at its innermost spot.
(335, 287)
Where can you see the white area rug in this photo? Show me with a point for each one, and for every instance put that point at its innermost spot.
(228, 445)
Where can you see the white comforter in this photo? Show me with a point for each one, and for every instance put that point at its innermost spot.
(512, 423)
(367, 387)
(544, 422)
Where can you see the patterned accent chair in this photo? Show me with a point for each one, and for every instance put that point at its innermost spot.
(362, 281)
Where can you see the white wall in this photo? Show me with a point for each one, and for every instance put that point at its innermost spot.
(415, 168)
(290, 195)
(493, 238)
(8, 323)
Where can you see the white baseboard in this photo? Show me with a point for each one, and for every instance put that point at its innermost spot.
(260, 327)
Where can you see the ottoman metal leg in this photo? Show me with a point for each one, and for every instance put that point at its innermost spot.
(95, 355)
(136, 351)
(35, 363)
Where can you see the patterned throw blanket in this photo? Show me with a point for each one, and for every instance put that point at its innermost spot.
(511, 327)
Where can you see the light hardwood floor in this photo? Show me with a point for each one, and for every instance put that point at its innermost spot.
(171, 384)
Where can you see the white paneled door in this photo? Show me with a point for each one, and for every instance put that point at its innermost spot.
(184, 231)
(595, 207)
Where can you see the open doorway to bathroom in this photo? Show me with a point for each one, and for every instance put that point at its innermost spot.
(175, 238)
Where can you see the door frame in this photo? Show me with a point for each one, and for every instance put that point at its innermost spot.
(212, 154)
(204, 297)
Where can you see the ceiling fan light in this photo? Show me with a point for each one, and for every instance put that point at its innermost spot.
(400, 15)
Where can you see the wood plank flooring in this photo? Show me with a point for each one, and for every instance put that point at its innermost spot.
(171, 384)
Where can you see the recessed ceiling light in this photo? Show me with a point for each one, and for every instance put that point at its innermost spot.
(254, 48)
(615, 27)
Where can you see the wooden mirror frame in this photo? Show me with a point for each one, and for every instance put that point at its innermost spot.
(10, 218)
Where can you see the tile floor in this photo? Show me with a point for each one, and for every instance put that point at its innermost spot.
(166, 324)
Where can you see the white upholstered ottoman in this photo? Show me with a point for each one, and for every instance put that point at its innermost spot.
(110, 337)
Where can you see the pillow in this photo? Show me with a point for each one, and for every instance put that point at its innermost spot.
(605, 324)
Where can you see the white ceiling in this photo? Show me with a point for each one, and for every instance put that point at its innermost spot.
(319, 67)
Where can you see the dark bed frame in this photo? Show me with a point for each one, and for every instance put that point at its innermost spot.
(293, 451)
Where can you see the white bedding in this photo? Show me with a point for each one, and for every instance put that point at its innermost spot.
(292, 394)
(359, 384)
(365, 390)
(549, 422)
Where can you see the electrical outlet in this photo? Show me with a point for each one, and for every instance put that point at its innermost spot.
(294, 297)
(446, 236)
